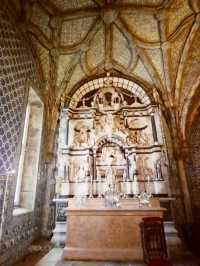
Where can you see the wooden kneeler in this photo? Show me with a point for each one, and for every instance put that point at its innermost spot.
(154, 243)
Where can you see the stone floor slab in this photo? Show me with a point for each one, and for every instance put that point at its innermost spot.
(181, 257)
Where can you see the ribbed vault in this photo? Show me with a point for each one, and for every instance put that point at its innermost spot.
(155, 42)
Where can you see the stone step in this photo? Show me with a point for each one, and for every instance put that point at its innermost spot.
(170, 229)
(59, 234)
(171, 234)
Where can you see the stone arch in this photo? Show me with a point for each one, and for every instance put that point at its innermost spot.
(113, 139)
(118, 82)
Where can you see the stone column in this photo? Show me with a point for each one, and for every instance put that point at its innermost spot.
(127, 171)
(155, 136)
(67, 128)
(48, 212)
(94, 165)
(180, 154)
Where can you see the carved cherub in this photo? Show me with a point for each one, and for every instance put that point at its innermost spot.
(81, 136)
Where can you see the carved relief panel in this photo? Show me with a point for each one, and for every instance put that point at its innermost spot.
(113, 137)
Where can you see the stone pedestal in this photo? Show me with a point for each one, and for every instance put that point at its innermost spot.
(108, 234)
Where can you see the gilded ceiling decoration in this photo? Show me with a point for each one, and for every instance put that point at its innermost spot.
(154, 42)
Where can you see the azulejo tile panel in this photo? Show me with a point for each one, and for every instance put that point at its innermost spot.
(16, 67)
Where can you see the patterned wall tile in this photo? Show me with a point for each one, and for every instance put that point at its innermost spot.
(16, 67)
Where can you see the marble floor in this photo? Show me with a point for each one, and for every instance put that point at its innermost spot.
(52, 256)
(179, 255)
(53, 259)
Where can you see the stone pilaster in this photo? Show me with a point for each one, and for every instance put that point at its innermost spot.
(180, 155)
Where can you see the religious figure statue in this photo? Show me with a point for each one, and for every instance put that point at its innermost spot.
(119, 127)
(118, 156)
(109, 171)
(108, 98)
(158, 169)
(108, 127)
(59, 181)
(83, 169)
(133, 137)
(83, 103)
(115, 99)
(143, 169)
(91, 137)
(132, 165)
(81, 174)
(143, 139)
(81, 136)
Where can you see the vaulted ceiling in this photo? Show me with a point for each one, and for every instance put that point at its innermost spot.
(154, 42)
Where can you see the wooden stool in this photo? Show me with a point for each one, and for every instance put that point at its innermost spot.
(153, 240)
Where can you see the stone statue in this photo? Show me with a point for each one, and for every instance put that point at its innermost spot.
(115, 99)
(81, 136)
(83, 169)
(143, 169)
(108, 127)
(91, 137)
(58, 184)
(110, 178)
(133, 137)
(144, 139)
(158, 169)
(100, 99)
(118, 156)
(81, 174)
(119, 127)
(132, 165)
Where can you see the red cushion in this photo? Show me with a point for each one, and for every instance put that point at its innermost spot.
(160, 262)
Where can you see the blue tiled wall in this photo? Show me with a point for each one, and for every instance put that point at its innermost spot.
(16, 67)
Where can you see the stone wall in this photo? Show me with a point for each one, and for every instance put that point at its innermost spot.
(17, 72)
(194, 167)
(177, 205)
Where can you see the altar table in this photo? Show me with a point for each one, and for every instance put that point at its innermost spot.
(95, 232)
